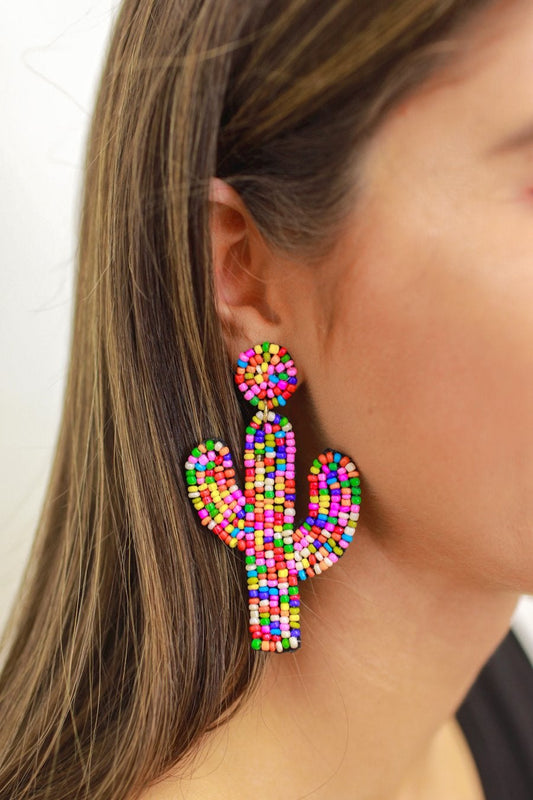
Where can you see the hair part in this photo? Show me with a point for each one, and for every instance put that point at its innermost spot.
(129, 640)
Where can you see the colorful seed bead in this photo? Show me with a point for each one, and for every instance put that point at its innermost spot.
(261, 519)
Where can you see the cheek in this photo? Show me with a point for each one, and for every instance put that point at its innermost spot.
(434, 397)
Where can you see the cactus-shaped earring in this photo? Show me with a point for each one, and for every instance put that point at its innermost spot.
(261, 519)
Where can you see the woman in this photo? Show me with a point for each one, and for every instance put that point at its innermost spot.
(352, 181)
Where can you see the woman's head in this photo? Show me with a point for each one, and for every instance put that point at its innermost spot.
(413, 333)
(142, 633)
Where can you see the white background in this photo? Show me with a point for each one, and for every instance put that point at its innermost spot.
(50, 59)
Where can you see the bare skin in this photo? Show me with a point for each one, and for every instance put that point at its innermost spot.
(413, 341)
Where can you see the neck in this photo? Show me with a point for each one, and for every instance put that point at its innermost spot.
(389, 649)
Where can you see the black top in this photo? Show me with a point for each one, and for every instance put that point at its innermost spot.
(496, 717)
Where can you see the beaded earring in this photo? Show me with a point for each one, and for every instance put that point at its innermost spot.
(260, 521)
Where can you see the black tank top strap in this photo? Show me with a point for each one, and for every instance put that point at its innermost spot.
(496, 717)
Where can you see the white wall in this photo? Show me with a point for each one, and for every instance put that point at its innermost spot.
(50, 58)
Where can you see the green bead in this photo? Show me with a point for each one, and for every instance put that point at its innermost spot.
(293, 590)
(256, 644)
(285, 644)
(196, 452)
(266, 347)
(210, 444)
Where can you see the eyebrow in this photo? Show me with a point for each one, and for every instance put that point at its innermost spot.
(517, 140)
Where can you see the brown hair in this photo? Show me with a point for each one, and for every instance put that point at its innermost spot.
(130, 640)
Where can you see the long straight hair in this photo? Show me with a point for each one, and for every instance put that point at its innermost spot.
(129, 638)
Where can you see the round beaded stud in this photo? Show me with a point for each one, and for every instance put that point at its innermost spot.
(261, 519)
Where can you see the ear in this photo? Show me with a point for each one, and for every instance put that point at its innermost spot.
(245, 271)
